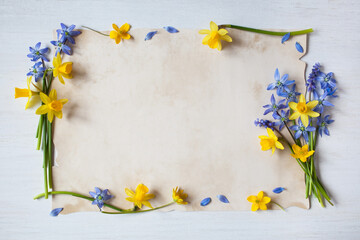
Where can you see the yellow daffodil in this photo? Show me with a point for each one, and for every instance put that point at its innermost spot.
(302, 152)
(51, 106)
(179, 196)
(120, 33)
(259, 201)
(270, 142)
(140, 196)
(61, 70)
(214, 36)
(25, 92)
(303, 110)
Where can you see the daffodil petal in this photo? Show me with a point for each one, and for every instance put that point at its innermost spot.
(222, 32)
(254, 207)
(146, 203)
(129, 193)
(313, 114)
(45, 99)
(304, 120)
(213, 26)
(58, 114)
(266, 200)
(53, 95)
(226, 38)
(312, 104)
(115, 27)
(204, 31)
(42, 110)
(260, 195)
(252, 198)
(50, 116)
(263, 206)
(279, 145)
(113, 34)
(125, 27)
(294, 116)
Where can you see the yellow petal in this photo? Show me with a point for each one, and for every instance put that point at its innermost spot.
(213, 26)
(279, 145)
(66, 68)
(130, 199)
(129, 193)
(55, 72)
(313, 114)
(263, 206)
(302, 98)
(142, 188)
(204, 31)
(58, 114)
(138, 204)
(312, 104)
(305, 148)
(113, 34)
(28, 82)
(311, 153)
(21, 92)
(293, 105)
(125, 27)
(272, 150)
(295, 115)
(260, 195)
(63, 101)
(61, 79)
(271, 133)
(206, 39)
(222, 32)
(45, 99)
(53, 95)
(42, 110)
(226, 38)
(254, 207)
(146, 203)
(125, 36)
(251, 198)
(296, 148)
(57, 61)
(149, 196)
(118, 39)
(266, 200)
(304, 120)
(50, 116)
(219, 47)
(115, 27)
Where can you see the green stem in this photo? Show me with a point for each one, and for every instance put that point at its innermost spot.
(76, 195)
(278, 205)
(39, 134)
(141, 211)
(50, 153)
(96, 31)
(45, 149)
(266, 31)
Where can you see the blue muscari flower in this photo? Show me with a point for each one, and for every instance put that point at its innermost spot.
(285, 38)
(282, 118)
(326, 80)
(302, 130)
(322, 102)
(55, 212)
(273, 107)
(280, 84)
(100, 197)
(36, 53)
(66, 33)
(37, 71)
(290, 94)
(311, 82)
(264, 123)
(322, 124)
(299, 47)
(60, 46)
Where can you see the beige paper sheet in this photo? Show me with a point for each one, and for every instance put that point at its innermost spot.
(172, 112)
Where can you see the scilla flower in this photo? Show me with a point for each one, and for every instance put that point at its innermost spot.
(36, 53)
(25, 92)
(120, 33)
(61, 47)
(51, 106)
(302, 153)
(179, 196)
(281, 84)
(326, 80)
(67, 33)
(270, 142)
(259, 201)
(214, 36)
(282, 117)
(61, 70)
(323, 123)
(303, 110)
(273, 107)
(140, 196)
(302, 130)
(100, 196)
(37, 71)
(289, 94)
(322, 102)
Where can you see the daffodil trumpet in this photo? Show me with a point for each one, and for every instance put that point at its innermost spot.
(267, 32)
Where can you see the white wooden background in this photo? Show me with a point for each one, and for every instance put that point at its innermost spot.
(335, 43)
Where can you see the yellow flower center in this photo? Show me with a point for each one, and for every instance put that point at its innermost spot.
(302, 108)
(214, 35)
(55, 105)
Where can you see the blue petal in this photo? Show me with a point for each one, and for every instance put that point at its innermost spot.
(297, 134)
(92, 194)
(277, 75)
(285, 38)
(278, 190)
(72, 26)
(37, 46)
(306, 136)
(271, 86)
(55, 212)
(74, 33)
(150, 35)
(98, 191)
(299, 47)
(63, 26)
(205, 201)
(272, 99)
(222, 198)
(326, 131)
(171, 29)
(310, 128)
(267, 111)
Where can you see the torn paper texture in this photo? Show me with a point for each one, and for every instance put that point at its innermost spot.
(172, 112)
